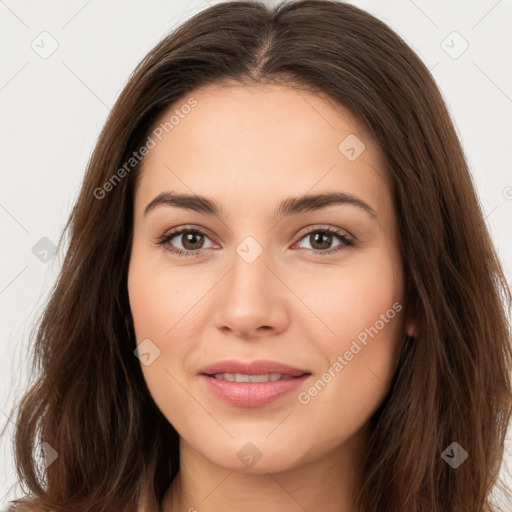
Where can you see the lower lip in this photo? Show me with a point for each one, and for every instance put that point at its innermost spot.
(252, 394)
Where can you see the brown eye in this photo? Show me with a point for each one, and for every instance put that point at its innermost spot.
(185, 242)
(321, 240)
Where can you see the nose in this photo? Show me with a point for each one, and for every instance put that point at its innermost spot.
(251, 299)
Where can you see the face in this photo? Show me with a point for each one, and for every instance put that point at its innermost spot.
(257, 273)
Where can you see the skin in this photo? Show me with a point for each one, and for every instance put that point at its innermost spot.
(248, 148)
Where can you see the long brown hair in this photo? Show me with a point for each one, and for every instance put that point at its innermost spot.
(89, 402)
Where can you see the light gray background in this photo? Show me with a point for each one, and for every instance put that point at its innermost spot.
(53, 109)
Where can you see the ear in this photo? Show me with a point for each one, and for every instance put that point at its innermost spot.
(411, 328)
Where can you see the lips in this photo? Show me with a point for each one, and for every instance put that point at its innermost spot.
(252, 384)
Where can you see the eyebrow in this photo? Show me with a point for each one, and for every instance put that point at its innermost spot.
(289, 206)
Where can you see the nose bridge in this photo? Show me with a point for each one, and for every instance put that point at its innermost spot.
(250, 297)
(251, 249)
(250, 273)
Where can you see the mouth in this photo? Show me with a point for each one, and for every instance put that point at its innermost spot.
(252, 384)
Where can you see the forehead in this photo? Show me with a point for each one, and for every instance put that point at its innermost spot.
(243, 143)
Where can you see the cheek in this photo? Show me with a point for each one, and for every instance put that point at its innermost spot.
(164, 298)
(159, 301)
(363, 307)
(167, 308)
(346, 300)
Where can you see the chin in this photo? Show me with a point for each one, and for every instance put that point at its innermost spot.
(259, 456)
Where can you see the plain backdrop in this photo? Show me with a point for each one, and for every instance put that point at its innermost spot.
(63, 66)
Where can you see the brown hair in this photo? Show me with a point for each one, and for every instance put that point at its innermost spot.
(116, 450)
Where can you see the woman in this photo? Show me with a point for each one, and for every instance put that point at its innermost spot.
(279, 291)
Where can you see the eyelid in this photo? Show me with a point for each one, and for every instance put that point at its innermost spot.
(321, 227)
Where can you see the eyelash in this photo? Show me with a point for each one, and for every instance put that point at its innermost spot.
(346, 242)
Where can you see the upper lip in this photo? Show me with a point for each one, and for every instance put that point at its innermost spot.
(259, 367)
